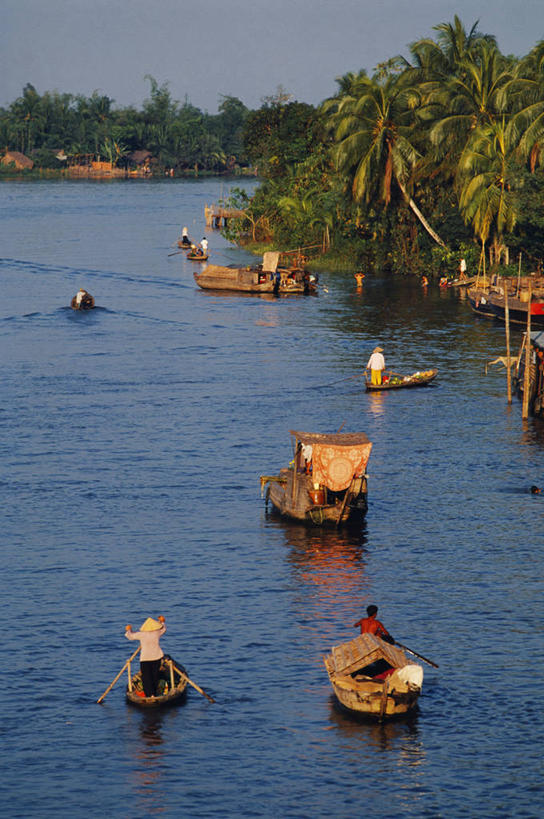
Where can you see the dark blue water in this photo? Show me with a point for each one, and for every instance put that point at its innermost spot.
(132, 440)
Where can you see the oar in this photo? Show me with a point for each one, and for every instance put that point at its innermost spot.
(421, 657)
(176, 253)
(198, 688)
(99, 700)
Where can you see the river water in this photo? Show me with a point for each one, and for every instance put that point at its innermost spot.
(132, 440)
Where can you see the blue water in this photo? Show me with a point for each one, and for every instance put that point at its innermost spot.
(132, 440)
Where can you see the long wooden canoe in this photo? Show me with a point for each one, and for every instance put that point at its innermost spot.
(394, 381)
(172, 687)
(373, 678)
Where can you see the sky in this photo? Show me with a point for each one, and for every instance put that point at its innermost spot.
(207, 49)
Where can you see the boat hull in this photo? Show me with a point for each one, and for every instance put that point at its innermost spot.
(251, 280)
(372, 678)
(415, 380)
(174, 696)
(299, 502)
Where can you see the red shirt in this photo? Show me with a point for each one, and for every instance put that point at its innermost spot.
(369, 625)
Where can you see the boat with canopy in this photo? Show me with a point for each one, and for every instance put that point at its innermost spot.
(267, 277)
(326, 482)
(373, 678)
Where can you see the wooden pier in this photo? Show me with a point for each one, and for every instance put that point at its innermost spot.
(215, 213)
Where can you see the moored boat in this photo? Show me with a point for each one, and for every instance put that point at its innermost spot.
(172, 687)
(394, 381)
(326, 483)
(373, 678)
(264, 278)
(522, 295)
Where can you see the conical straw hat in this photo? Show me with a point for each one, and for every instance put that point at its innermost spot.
(150, 625)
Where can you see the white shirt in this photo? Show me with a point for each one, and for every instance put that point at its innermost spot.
(149, 640)
(376, 362)
(204, 244)
(79, 296)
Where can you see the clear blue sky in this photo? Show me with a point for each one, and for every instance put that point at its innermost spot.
(244, 48)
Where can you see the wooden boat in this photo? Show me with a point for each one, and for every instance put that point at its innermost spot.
(462, 282)
(326, 483)
(264, 278)
(523, 294)
(198, 257)
(86, 303)
(373, 678)
(394, 381)
(172, 687)
(185, 245)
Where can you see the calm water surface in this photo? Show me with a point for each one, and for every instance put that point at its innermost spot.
(132, 440)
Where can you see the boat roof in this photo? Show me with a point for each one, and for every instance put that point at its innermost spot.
(537, 337)
(363, 650)
(333, 439)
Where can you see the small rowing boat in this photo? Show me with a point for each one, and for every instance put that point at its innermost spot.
(373, 678)
(172, 687)
(198, 257)
(394, 381)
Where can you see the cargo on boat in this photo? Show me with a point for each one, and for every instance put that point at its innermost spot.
(373, 678)
(172, 687)
(326, 482)
(267, 277)
(395, 381)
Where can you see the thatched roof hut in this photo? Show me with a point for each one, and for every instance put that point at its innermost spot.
(18, 160)
(139, 157)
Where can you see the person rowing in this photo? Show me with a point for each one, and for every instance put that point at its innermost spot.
(370, 625)
(151, 655)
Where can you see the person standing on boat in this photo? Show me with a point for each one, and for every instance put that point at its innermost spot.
(462, 269)
(204, 246)
(185, 236)
(151, 653)
(376, 365)
(369, 625)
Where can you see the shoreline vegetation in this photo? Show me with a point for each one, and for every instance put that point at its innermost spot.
(432, 158)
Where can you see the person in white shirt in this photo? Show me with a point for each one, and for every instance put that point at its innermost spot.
(376, 365)
(151, 653)
(204, 245)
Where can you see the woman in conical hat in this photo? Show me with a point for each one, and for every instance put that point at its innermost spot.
(376, 365)
(151, 654)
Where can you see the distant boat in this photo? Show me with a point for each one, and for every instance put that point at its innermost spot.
(264, 278)
(197, 257)
(172, 687)
(373, 678)
(85, 303)
(326, 483)
(394, 381)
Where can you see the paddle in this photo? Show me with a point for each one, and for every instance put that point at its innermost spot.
(176, 253)
(198, 688)
(421, 657)
(99, 700)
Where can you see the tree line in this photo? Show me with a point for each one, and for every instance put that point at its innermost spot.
(433, 155)
(179, 136)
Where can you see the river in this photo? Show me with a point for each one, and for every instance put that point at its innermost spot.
(132, 440)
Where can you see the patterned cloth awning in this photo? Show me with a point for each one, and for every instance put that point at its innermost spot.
(335, 466)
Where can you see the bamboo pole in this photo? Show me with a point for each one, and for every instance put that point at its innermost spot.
(519, 275)
(197, 687)
(129, 675)
(172, 684)
(507, 331)
(110, 686)
(527, 372)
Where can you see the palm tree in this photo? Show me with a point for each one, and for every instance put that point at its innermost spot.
(525, 95)
(373, 130)
(485, 181)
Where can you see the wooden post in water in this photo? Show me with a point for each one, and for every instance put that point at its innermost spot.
(507, 329)
(527, 372)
